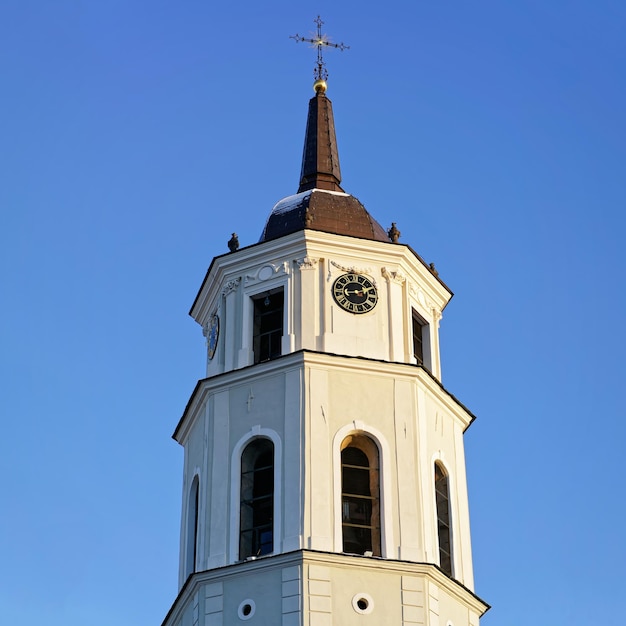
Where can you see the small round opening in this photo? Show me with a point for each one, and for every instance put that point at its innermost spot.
(246, 609)
(363, 603)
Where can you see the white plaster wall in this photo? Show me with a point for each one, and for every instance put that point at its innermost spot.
(305, 265)
(313, 589)
(412, 429)
(307, 404)
(394, 597)
(194, 464)
(229, 414)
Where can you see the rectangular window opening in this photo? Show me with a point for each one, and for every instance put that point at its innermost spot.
(268, 325)
(420, 340)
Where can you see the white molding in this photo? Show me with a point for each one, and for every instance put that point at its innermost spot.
(250, 602)
(368, 599)
(249, 292)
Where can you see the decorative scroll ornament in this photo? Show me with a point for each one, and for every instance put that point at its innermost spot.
(266, 272)
(421, 297)
(231, 286)
(307, 263)
(393, 276)
(365, 271)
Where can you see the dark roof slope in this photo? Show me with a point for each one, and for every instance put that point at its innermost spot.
(317, 209)
(321, 203)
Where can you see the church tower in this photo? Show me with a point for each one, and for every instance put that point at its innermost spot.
(324, 472)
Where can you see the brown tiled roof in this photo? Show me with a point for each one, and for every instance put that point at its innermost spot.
(331, 212)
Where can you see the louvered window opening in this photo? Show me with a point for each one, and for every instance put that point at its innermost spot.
(256, 536)
(418, 338)
(268, 326)
(360, 503)
(443, 520)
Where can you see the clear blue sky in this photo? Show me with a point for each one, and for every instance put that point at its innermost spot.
(136, 136)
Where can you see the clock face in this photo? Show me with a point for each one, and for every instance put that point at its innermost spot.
(355, 293)
(212, 335)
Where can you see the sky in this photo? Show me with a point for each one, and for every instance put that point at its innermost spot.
(137, 136)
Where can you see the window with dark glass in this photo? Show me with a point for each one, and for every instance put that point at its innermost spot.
(267, 326)
(192, 529)
(256, 528)
(442, 495)
(419, 328)
(360, 496)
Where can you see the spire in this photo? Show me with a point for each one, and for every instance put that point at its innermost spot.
(315, 206)
(320, 158)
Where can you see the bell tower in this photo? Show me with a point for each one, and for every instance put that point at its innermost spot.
(324, 473)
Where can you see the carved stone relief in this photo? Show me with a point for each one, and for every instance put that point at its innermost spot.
(393, 276)
(352, 270)
(267, 271)
(230, 286)
(307, 263)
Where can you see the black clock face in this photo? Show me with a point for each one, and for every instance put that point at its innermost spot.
(355, 293)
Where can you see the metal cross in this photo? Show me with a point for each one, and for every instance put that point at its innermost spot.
(320, 42)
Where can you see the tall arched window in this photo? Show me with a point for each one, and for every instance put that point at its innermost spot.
(360, 495)
(192, 528)
(444, 530)
(256, 520)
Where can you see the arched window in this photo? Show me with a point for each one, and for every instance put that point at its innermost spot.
(192, 528)
(444, 530)
(256, 520)
(360, 495)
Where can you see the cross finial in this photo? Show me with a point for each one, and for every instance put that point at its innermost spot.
(320, 41)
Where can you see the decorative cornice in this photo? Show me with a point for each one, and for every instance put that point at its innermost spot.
(301, 558)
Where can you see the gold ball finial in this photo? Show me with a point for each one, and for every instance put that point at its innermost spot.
(319, 86)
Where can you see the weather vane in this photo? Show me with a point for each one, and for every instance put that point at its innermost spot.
(320, 42)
